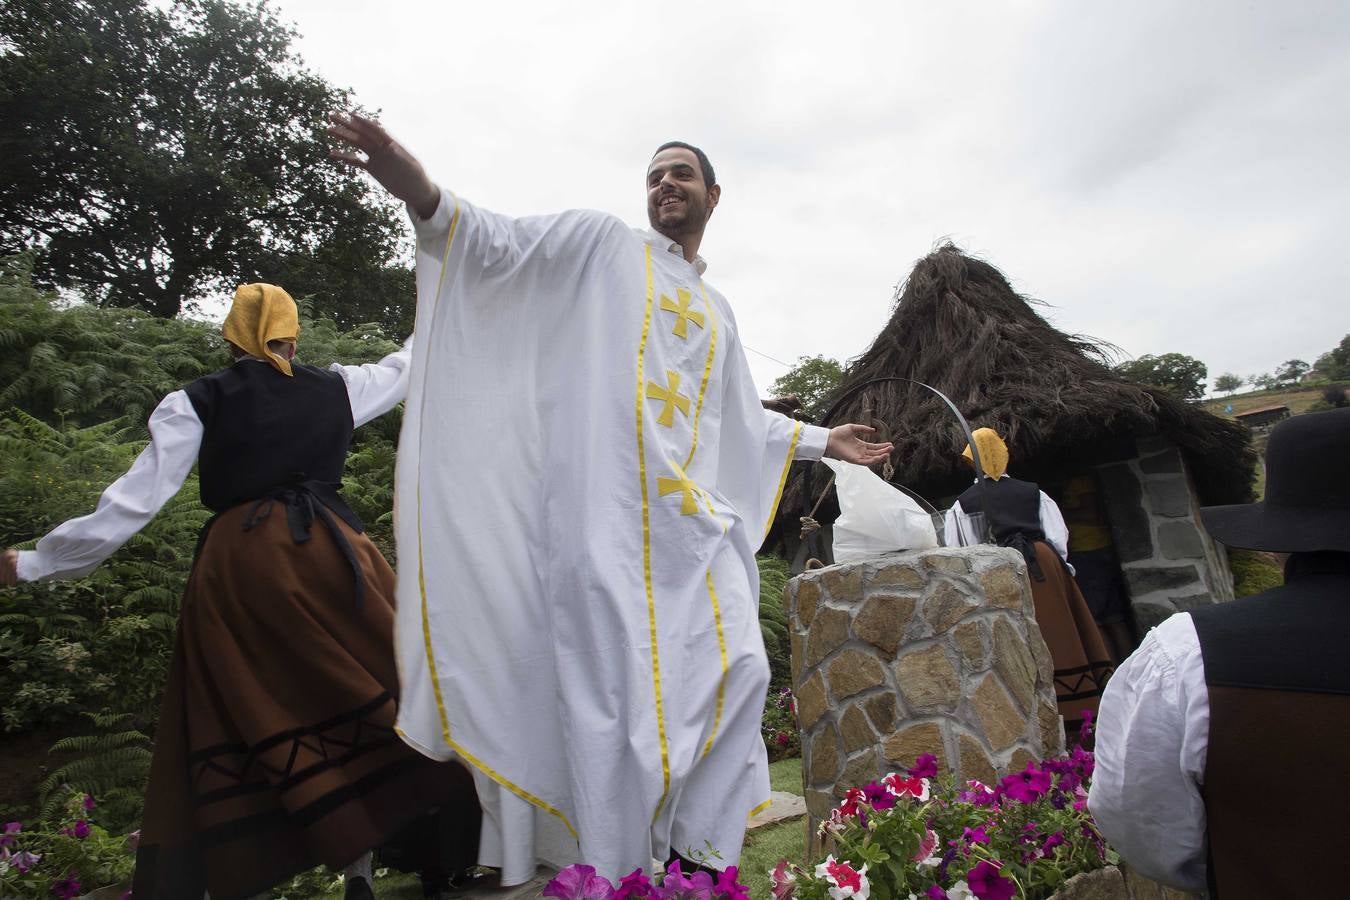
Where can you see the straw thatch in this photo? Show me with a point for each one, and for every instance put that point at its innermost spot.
(960, 327)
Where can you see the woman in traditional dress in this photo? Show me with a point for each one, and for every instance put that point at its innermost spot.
(1019, 514)
(275, 749)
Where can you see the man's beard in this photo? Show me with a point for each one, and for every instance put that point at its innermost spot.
(679, 225)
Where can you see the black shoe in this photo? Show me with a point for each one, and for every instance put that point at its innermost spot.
(358, 889)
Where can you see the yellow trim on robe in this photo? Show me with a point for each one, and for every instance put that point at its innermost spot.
(782, 479)
(647, 545)
(707, 374)
(759, 809)
(722, 648)
(462, 751)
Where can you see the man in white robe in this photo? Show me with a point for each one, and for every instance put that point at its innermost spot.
(585, 474)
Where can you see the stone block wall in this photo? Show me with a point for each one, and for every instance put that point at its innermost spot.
(1170, 564)
(931, 651)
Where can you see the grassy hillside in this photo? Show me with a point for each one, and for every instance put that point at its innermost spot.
(1297, 398)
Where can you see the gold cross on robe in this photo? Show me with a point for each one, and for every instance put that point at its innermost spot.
(688, 490)
(684, 315)
(670, 396)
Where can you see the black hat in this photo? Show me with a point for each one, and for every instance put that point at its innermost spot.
(1307, 504)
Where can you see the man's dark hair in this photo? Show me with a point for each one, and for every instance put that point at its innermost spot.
(709, 179)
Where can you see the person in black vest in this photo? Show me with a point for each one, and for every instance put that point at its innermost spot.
(1222, 740)
(1020, 515)
(275, 749)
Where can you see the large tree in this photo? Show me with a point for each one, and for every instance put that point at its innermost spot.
(154, 156)
(1181, 374)
(812, 381)
(1335, 363)
(1227, 383)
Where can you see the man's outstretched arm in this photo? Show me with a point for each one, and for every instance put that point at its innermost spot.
(397, 170)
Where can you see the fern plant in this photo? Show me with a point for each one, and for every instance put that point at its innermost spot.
(112, 765)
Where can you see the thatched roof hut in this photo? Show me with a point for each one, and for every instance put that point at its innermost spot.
(959, 326)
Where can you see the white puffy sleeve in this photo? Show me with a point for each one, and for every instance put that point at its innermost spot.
(74, 548)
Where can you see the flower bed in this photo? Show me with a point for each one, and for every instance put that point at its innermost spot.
(66, 859)
(912, 837)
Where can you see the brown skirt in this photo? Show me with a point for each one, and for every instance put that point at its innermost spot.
(275, 750)
(1077, 650)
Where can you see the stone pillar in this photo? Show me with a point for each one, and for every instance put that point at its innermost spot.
(931, 651)
(1169, 562)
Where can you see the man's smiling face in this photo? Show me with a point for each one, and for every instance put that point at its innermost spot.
(678, 201)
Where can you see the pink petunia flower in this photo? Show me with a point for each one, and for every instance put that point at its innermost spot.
(578, 882)
(900, 786)
(987, 884)
(726, 887)
(634, 884)
(926, 855)
(854, 797)
(782, 739)
(134, 840)
(925, 766)
(845, 881)
(783, 880)
(1029, 784)
(677, 886)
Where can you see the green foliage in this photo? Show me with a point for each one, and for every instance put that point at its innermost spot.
(1335, 363)
(1227, 383)
(157, 153)
(773, 622)
(113, 764)
(1253, 572)
(813, 381)
(1176, 372)
(1291, 371)
(73, 845)
(77, 384)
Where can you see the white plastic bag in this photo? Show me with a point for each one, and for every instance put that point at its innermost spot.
(875, 518)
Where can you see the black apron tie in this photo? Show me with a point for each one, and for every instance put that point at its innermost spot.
(303, 506)
(1027, 547)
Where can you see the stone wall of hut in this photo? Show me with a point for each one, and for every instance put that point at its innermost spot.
(1169, 563)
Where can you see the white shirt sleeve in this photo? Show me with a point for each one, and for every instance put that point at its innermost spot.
(811, 442)
(1152, 736)
(375, 388)
(74, 548)
(1056, 532)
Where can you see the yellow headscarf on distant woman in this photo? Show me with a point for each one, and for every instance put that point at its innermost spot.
(262, 313)
(993, 452)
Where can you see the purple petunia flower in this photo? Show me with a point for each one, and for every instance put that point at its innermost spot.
(1085, 730)
(1053, 841)
(578, 882)
(81, 830)
(935, 893)
(66, 888)
(1027, 785)
(677, 886)
(878, 796)
(88, 802)
(11, 829)
(976, 835)
(634, 884)
(986, 883)
(23, 861)
(925, 766)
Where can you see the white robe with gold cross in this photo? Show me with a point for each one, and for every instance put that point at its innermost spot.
(584, 475)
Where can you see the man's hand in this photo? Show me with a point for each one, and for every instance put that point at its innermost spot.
(9, 568)
(847, 444)
(385, 159)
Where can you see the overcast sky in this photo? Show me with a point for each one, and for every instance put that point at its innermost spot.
(1168, 176)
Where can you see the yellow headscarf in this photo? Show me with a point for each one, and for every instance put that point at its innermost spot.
(262, 313)
(993, 452)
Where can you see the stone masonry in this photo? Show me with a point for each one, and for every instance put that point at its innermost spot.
(922, 651)
(1169, 562)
